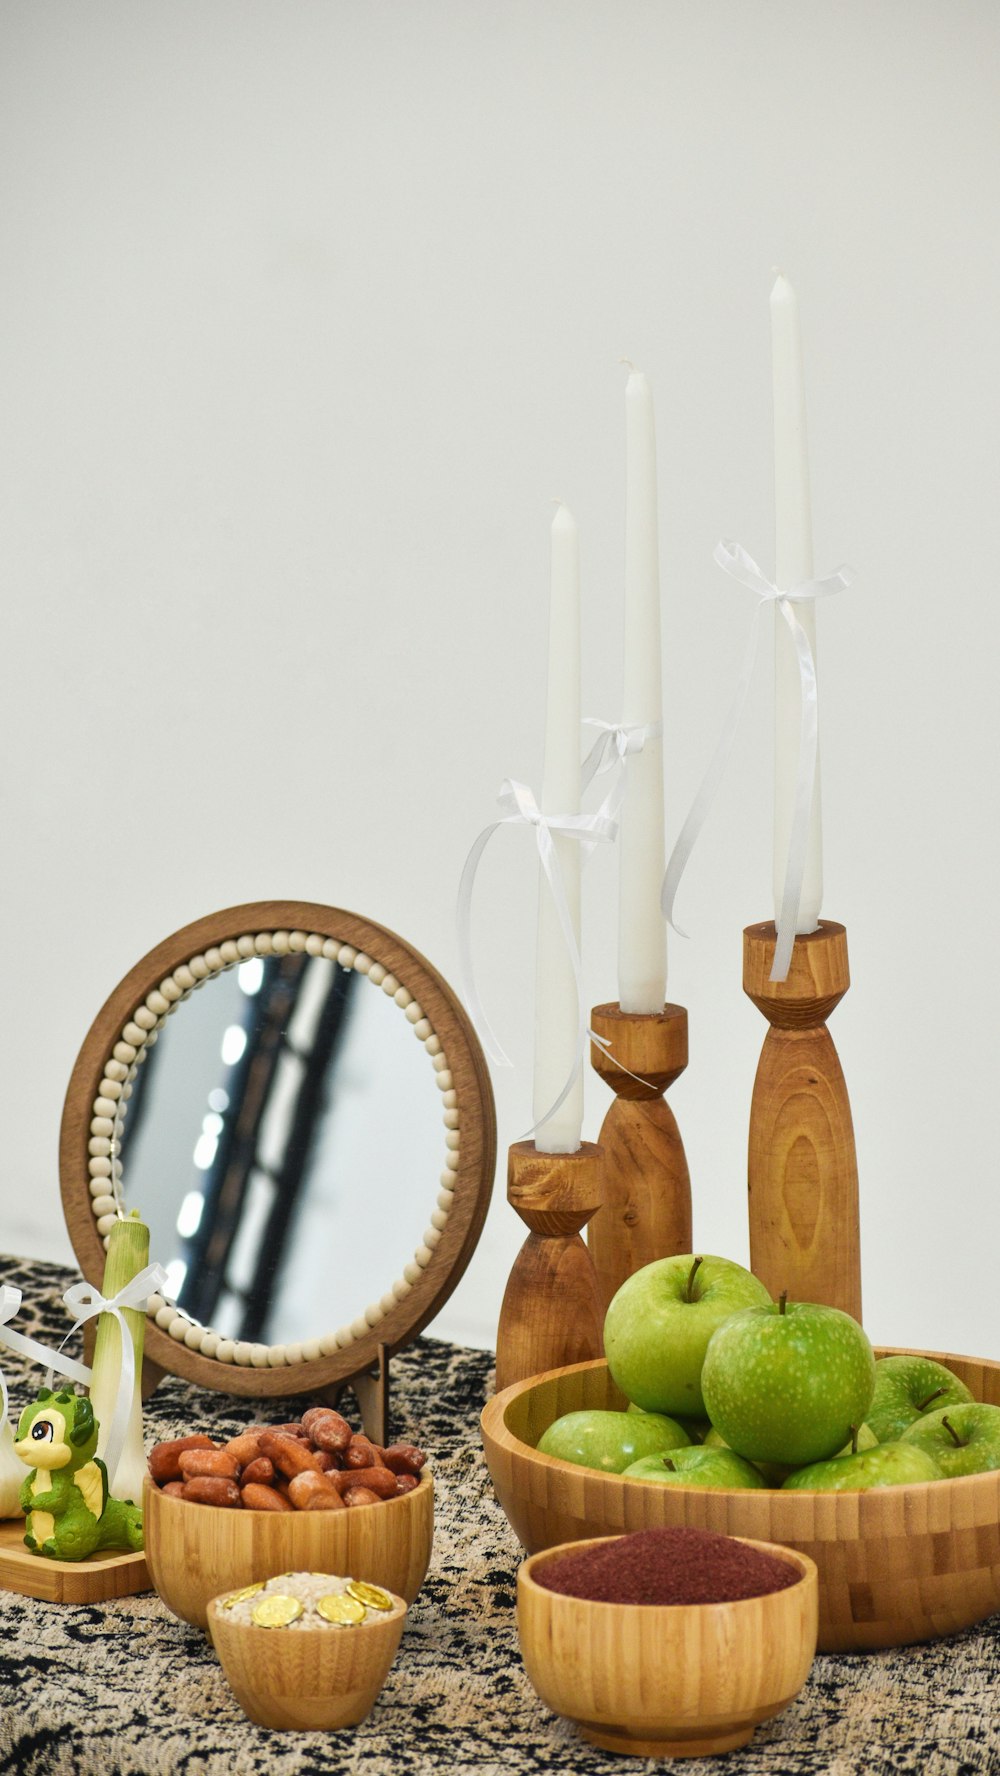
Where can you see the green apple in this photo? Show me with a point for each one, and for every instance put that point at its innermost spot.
(695, 1427)
(610, 1441)
(961, 1439)
(888, 1464)
(905, 1388)
(787, 1382)
(658, 1326)
(697, 1466)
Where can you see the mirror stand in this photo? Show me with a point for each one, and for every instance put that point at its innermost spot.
(370, 1388)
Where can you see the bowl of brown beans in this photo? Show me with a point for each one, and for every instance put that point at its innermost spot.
(668, 1643)
(313, 1495)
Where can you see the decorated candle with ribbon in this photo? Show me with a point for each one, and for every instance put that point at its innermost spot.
(793, 561)
(642, 940)
(557, 1011)
(115, 1390)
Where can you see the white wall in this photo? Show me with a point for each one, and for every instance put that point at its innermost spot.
(307, 313)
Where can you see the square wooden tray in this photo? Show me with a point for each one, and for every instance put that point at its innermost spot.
(67, 1581)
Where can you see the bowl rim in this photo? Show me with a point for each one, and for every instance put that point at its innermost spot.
(807, 1569)
(494, 1427)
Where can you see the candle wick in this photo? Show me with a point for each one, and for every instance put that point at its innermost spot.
(629, 365)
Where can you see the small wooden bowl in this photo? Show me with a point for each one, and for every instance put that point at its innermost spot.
(195, 1552)
(306, 1678)
(667, 1680)
(896, 1565)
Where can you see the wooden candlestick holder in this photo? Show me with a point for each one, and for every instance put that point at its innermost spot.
(552, 1313)
(803, 1170)
(645, 1211)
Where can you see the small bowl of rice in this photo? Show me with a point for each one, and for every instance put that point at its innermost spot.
(307, 1650)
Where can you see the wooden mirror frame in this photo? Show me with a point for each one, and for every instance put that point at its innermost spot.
(127, 1022)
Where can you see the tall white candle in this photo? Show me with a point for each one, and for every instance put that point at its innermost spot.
(556, 1005)
(642, 932)
(793, 563)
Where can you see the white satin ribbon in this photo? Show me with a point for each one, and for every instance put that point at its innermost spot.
(588, 830)
(84, 1301)
(10, 1305)
(735, 561)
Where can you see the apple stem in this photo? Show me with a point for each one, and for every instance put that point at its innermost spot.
(854, 1439)
(953, 1434)
(667, 1463)
(689, 1294)
(782, 1301)
(923, 1404)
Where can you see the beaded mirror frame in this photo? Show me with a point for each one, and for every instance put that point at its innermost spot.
(355, 1354)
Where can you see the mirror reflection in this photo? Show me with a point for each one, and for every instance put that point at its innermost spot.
(283, 1142)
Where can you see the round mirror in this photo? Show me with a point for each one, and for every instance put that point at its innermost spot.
(297, 1106)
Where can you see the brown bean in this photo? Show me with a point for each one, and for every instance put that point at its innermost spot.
(289, 1455)
(245, 1447)
(264, 1498)
(259, 1472)
(324, 1501)
(305, 1486)
(327, 1428)
(361, 1452)
(212, 1489)
(174, 1487)
(163, 1457)
(326, 1460)
(377, 1480)
(404, 1458)
(360, 1495)
(406, 1483)
(209, 1461)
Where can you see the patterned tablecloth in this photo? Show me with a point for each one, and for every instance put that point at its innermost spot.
(126, 1689)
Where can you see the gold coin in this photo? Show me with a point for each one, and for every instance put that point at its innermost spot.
(276, 1611)
(372, 1595)
(241, 1596)
(336, 1606)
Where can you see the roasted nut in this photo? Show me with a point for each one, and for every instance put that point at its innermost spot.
(245, 1447)
(164, 1462)
(360, 1495)
(209, 1461)
(175, 1488)
(406, 1483)
(404, 1458)
(212, 1489)
(377, 1480)
(324, 1501)
(327, 1428)
(289, 1454)
(361, 1452)
(263, 1498)
(259, 1472)
(305, 1486)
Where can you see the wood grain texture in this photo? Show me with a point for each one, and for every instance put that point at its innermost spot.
(674, 1681)
(96, 1580)
(474, 1179)
(195, 1552)
(896, 1565)
(314, 1679)
(552, 1311)
(802, 1172)
(645, 1211)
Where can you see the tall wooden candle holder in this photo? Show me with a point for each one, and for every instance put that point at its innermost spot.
(803, 1172)
(645, 1209)
(552, 1313)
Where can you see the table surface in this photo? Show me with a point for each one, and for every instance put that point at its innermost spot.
(125, 1689)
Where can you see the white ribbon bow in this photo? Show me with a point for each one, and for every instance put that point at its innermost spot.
(735, 561)
(615, 744)
(84, 1301)
(588, 830)
(10, 1305)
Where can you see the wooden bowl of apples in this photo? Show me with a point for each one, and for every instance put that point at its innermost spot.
(897, 1564)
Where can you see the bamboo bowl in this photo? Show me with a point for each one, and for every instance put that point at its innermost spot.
(306, 1678)
(195, 1552)
(896, 1565)
(667, 1680)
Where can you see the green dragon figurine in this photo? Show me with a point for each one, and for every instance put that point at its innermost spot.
(65, 1497)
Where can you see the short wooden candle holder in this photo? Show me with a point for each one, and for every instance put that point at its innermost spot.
(803, 1172)
(645, 1210)
(552, 1312)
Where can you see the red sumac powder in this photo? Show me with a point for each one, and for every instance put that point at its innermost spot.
(667, 1566)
